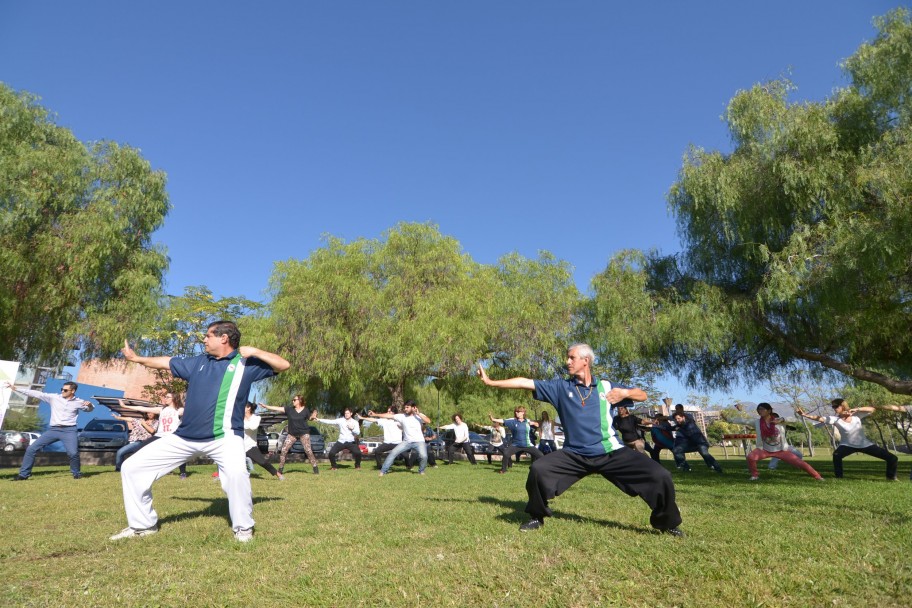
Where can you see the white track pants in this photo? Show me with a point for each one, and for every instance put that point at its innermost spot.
(161, 457)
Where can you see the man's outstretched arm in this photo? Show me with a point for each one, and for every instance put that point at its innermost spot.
(516, 383)
(151, 362)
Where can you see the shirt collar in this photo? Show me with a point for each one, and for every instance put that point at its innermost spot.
(229, 356)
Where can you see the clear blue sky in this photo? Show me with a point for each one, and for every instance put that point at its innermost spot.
(509, 124)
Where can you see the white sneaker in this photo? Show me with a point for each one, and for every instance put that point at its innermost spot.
(243, 535)
(133, 533)
(754, 478)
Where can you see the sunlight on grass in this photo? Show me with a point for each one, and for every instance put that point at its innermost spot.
(450, 538)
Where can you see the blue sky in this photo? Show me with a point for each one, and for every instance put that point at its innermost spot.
(509, 124)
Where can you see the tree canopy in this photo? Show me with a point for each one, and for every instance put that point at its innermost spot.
(78, 268)
(796, 244)
(395, 311)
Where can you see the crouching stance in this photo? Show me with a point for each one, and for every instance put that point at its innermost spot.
(218, 384)
(586, 408)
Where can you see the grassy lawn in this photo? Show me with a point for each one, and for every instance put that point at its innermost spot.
(450, 538)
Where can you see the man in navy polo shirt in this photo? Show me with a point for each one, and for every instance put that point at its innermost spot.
(218, 386)
(586, 408)
(519, 442)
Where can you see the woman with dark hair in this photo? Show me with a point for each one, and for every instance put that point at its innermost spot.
(251, 425)
(169, 418)
(140, 431)
(299, 417)
(460, 439)
(772, 443)
(852, 436)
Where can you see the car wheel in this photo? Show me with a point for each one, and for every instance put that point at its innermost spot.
(9, 447)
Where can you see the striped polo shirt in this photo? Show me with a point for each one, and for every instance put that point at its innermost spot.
(585, 414)
(217, 390)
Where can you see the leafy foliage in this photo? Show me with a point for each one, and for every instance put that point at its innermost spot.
(796, 243)
(393, 312)
(179, 327)
(78, 268)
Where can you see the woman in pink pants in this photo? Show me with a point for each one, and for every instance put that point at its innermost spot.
(771, 443)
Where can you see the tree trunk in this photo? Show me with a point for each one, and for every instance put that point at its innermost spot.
(396, 391)
(883, 441)
(807, 432)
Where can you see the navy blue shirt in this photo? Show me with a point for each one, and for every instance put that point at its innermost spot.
(217, 390)
(520, 431)
(585, 417)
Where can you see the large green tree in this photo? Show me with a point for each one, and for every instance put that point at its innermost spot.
(179, 326)
(796, 244)
(78, 268)
(394, 311)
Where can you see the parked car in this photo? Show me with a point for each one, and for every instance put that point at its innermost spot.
(372, 444)
(33, 437)
(14, 441)
(480, 444)
(361, 445)
(264, 442)
(103, 434)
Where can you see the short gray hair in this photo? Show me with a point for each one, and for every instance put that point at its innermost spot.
(583, 350)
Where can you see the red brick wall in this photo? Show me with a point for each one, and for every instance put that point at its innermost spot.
(128, 377)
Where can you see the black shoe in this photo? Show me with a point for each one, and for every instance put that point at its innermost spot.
(316, 470)
(675, 532)
(77, 475)
(532, 524)
(19, 478)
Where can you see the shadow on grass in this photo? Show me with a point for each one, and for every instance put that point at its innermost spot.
(217, 507)
(64, 474)
(515, 514)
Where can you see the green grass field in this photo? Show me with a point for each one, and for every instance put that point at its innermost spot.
(450, 538)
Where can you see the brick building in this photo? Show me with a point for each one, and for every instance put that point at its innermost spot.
(128, 377)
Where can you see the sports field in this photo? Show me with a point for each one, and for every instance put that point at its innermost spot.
(450, 538)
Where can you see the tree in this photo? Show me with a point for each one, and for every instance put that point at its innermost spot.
(78, 268)
(796, 244)
(24, 419)
(389, 311)
(396, 311)
(800, 389)
(179, 326)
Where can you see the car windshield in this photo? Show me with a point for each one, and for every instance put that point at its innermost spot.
(105, 425)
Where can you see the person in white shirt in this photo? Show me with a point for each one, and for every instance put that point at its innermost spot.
(169, 418)
(412, 435)
(460, 440)
(497, 436)
(349, 438)
(392, 434)
(251, 426)
(65, 409)
(852, 436)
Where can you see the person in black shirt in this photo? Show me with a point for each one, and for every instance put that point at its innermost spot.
(299, 417)
(628, 426)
